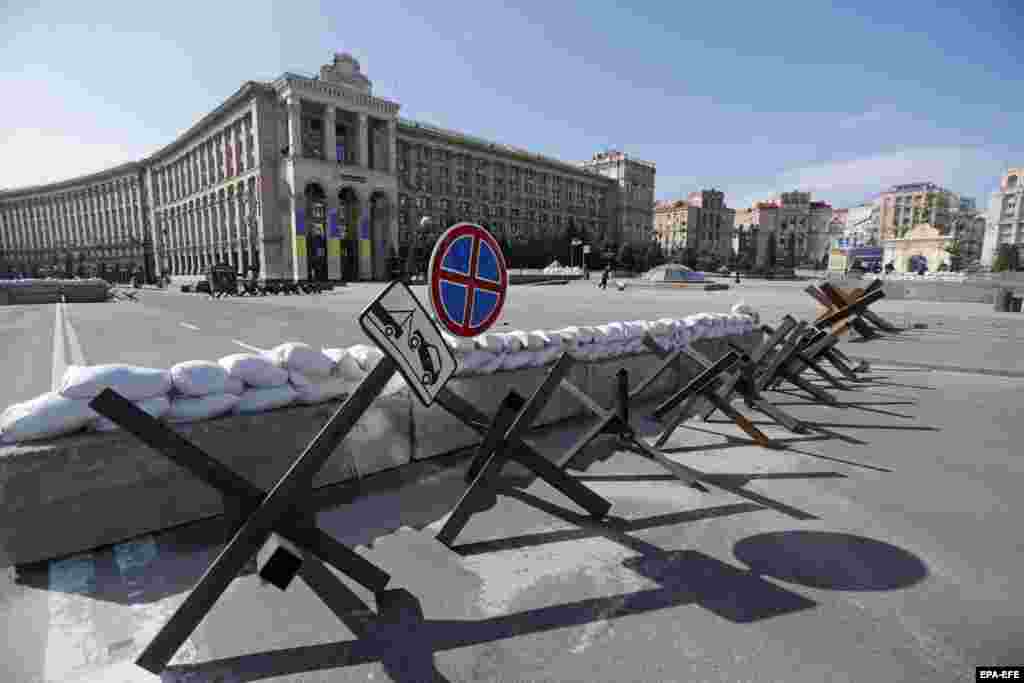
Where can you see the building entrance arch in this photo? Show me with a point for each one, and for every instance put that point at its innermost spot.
(348, 222)
(379, 219)
(915, 263)
(316, 232)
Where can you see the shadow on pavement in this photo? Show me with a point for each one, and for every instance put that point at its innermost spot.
(404, 642)
(832, 561)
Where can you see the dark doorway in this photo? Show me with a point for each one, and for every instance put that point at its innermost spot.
(348, 220)
(316, 232)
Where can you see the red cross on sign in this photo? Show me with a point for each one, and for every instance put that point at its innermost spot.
(468, 280)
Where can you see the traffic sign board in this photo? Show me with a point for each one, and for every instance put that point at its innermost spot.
(468, 280)
(401, 327)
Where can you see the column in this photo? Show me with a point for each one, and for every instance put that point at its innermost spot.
(294, 130)
(239, 210)
(243, 151)
(392, 148)
(362, 141)
(330, 141)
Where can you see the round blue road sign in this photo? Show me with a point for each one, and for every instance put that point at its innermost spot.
(468, 280)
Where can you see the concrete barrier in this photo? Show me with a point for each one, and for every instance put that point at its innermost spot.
(928, 290)
(50, 291)
(84, 491)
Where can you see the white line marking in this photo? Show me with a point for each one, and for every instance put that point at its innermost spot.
(247, 346)
(77, 357)
(59, 364)
(189, 326)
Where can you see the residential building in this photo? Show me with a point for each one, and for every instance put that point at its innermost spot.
(799, 226)
(915, 225)
(861, 225)
(315, 177)
(701, 223)
(1005, 218)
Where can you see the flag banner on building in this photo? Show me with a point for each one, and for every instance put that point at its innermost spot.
(333, 233)
(300, 232)
(364, 228)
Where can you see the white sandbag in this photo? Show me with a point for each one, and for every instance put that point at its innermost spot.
(490, 342)
(567, 337)
(613, 331)
(586, 333)
(459, 344)
(44, 417)
(531, 341)
(636, 329)
(234, 386)
(301, 358)
(133, 383)
(255, 370)
(516, 360)
(198, 378)
(196, 409)
(345, 366)
(540, 340)
(366, 356)
(513, 341)
(261, 400)
(549, 355)
(311, 392)
(156, 407)
(474, 360)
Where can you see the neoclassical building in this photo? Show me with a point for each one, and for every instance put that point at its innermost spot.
(701, 222)
(315, 177)
(795, 223)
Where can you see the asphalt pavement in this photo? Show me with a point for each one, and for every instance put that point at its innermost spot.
(883, 546)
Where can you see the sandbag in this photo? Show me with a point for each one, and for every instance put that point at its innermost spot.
(156, 407)
(301, 358)
(310, 392)
(515, 341)
(199, 378)
(198, 408)
(254, 369)
(131, 382)
(261, 400)
(459, 344)
(516, 360)
(45, 417)
(490, 342)
(345, 366)
(233, 385)
(366, 356)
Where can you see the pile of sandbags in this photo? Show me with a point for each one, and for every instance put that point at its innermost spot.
(296, 373)
(493, 352)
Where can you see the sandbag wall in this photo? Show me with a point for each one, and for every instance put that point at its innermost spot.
(91, 479)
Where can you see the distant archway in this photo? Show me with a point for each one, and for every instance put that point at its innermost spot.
(348, 224)
(316, 232)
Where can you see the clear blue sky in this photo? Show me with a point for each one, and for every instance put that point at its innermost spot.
(749, 97)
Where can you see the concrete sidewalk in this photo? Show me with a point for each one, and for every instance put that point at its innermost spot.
(882, 547)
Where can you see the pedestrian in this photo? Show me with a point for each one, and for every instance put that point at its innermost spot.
(604, 277)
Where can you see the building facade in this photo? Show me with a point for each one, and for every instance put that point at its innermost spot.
(94, 225)
(861, 226)
(799, 227)
(916, 226)
(701, 223)
(1005, 218)
(315, 177)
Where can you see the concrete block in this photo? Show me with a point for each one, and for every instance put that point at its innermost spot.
(113, 488)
